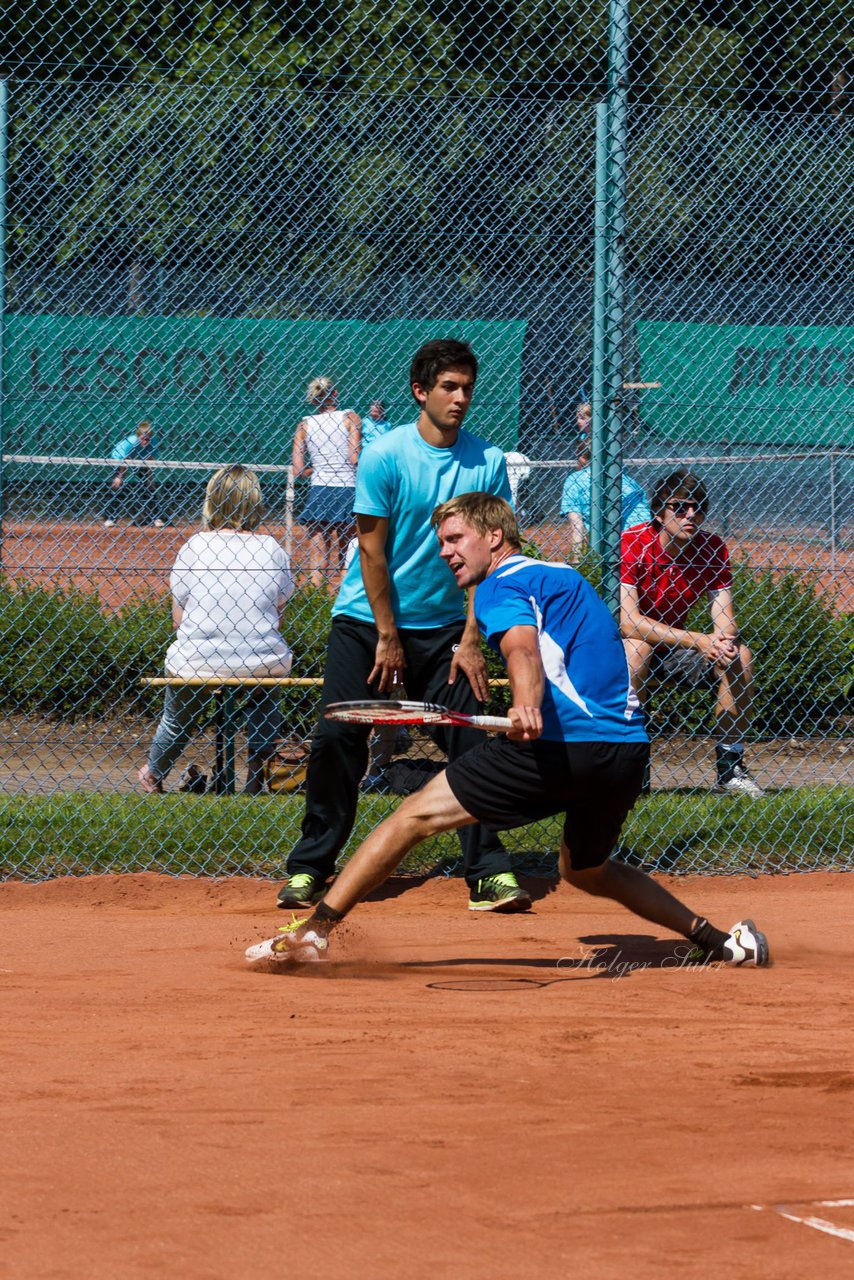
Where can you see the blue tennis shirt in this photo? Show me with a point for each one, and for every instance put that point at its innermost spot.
(588, 695)
(403, 479)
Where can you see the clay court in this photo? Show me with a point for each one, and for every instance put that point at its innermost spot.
(127, 562)
(451, 1094)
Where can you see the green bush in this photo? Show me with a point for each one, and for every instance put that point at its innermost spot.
(62, 655)
(802, 654)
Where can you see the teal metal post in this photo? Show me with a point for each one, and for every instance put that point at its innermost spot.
(4, 134)
(227, 723)
(609, 307)
(612, 443)
(600, 337)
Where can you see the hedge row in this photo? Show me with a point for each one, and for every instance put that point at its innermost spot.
(62, 656)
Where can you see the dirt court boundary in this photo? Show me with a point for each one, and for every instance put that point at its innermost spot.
(128, 562)
(544, 1095)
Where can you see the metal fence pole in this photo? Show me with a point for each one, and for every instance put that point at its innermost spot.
(833, 480)
(4, 130)
(610, 307)
(600, 286)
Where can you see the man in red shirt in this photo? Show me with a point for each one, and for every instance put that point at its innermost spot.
(667, 566)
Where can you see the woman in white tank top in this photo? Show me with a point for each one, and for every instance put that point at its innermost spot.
(326, 448)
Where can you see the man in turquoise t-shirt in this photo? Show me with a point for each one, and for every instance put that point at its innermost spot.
(575, 503)
(399, 620)
(374, 423)
(135, 448)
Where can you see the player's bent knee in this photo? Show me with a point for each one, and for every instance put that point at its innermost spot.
(592, 880)
(639, 657)
(434, 808)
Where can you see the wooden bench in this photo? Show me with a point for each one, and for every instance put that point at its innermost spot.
(225, 721)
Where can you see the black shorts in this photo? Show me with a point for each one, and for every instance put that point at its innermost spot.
(682, 668)
(507, 784)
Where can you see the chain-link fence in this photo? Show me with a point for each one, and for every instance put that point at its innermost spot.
(643, 208)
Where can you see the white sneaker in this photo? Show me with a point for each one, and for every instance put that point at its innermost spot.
(288, 948)
(160, 524)
(740, 783)
(109, 524)
(746, 945)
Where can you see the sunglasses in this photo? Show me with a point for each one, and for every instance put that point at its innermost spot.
(682, 508)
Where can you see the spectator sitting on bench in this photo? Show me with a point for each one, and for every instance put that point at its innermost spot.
(229, 587)
(667, 566)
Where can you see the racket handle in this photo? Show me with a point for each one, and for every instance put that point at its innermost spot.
(499, 723)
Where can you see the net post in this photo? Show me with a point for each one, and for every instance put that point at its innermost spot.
(289, 513)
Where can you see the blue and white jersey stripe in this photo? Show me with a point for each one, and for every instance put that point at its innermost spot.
(588, 695)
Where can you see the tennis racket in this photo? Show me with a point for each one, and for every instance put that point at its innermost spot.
(387, 711)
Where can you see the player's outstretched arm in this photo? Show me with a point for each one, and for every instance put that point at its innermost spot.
(298, 455)
(521, 653)
(354, 435)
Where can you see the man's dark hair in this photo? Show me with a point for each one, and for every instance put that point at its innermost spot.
(680, 484)
(437, 356)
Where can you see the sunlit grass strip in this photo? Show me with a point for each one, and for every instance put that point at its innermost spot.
(81, 834)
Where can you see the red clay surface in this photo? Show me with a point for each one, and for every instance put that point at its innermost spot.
(126, 562)
(452, 1095)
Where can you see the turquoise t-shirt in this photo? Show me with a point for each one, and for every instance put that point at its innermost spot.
(373, 430)
(576, 497)
(403, 479)
(130, 450)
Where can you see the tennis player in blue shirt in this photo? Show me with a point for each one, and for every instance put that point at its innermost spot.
(578, 745)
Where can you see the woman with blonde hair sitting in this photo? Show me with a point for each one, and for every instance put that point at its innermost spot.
(229, 586)
(326, 448)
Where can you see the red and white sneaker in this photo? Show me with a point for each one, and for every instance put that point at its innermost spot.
(290, 946)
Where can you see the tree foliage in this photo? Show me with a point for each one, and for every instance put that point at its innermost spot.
(262, 140)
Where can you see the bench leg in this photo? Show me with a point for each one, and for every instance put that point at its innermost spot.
(226, 729)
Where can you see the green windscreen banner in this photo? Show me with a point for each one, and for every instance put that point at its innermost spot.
(228, 390)
(749, 384)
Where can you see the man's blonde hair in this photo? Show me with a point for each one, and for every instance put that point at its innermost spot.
(483, 512)
(233, 499)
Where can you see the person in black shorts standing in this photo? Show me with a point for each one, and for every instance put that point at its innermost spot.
(398, 619)
(578, 744)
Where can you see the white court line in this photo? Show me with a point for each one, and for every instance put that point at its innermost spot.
(817, 1224)
(820, 1224)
